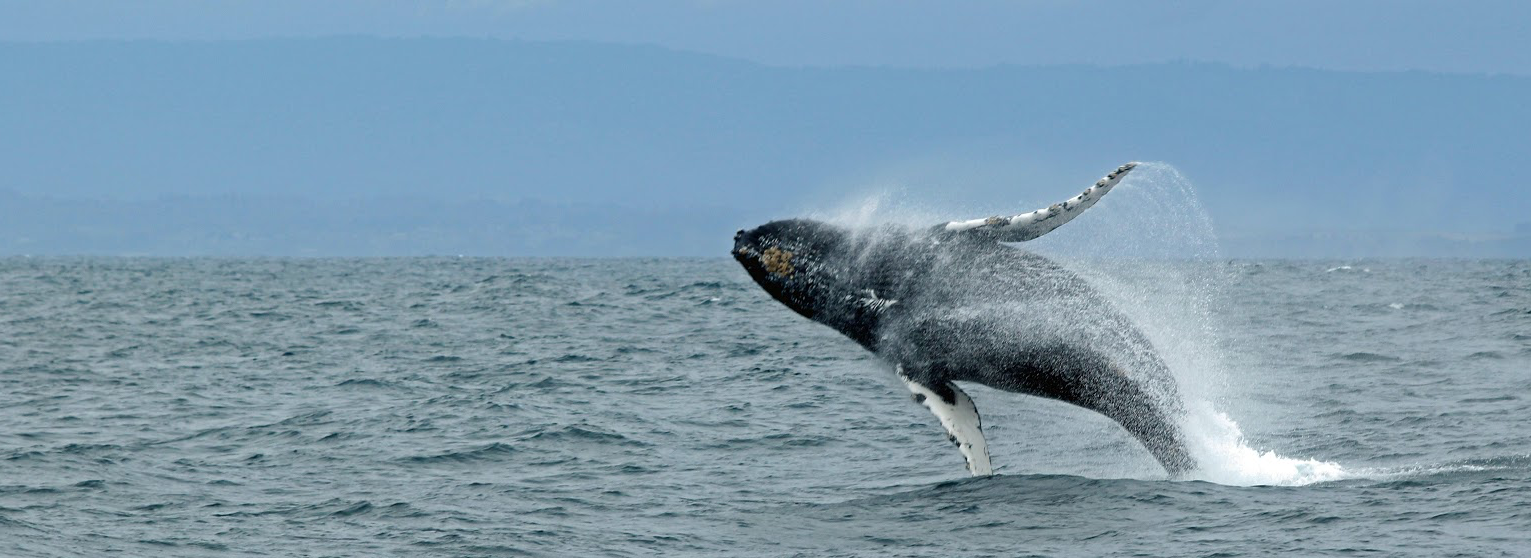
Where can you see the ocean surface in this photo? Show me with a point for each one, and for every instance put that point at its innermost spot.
(508, 407)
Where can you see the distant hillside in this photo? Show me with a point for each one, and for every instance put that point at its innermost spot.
(139, 129)
(265, 226)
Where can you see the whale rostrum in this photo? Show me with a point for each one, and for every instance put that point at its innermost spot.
(951, 303)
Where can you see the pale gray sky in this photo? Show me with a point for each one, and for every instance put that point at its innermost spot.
(1368, 35)
(254, 127)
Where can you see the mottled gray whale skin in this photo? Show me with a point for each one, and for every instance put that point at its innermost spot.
(950, 304)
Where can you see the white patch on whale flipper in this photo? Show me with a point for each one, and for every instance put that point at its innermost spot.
(1027, 226)
(960, 420)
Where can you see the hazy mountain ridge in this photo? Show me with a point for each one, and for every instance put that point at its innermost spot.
(372, 227)
(672, 137)
(378, 227)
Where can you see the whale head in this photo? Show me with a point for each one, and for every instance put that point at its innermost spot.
(819, 271)
(794, 260)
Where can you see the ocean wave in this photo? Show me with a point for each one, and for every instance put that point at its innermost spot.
(493, 451)
(1362, 356)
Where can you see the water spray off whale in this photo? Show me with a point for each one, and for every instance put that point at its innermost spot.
(951, 303)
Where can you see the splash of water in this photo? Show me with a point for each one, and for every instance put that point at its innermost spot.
(1152, 249)
(1227, 458)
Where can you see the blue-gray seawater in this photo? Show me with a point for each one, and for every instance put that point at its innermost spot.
(507, 407)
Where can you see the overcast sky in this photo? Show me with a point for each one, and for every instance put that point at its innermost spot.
(376, 143)
(1371, 35)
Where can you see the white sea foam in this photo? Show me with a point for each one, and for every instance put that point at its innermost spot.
(1226, 457)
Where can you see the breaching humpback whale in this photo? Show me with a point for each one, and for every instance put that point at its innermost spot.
(951, 304)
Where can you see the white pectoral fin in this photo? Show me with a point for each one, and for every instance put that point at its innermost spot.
(959, 417)
(1027, 226)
